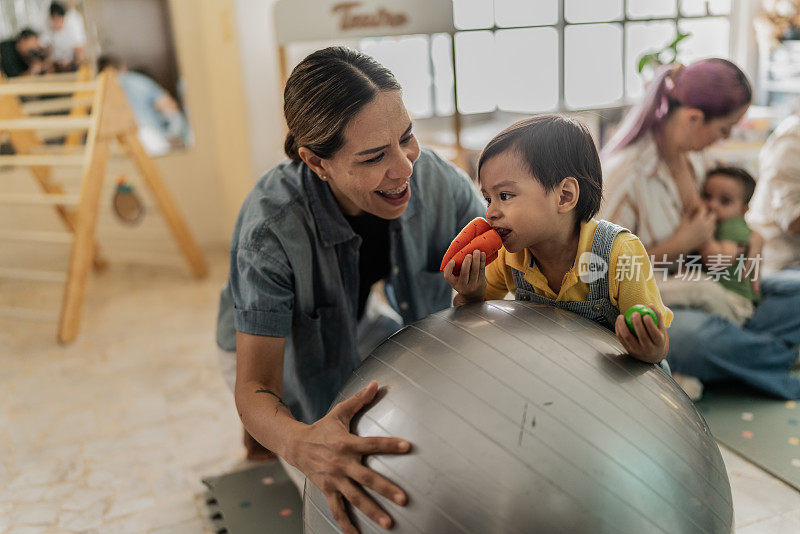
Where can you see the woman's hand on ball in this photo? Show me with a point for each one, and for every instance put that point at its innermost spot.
(470, 282)
(650, 343)
(331, 456)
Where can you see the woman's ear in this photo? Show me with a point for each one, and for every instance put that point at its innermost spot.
(694, 115)
(568, 192)
(314, 162)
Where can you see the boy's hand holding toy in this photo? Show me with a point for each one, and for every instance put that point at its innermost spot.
(465, 261)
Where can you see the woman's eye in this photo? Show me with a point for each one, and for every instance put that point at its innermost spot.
(376, 159)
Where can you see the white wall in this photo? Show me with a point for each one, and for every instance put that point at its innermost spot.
(262, 86)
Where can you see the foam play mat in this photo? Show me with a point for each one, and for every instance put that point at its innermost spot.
(260, 499)
(764, 430)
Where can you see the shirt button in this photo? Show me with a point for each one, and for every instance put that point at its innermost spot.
(597, 307)
(525, 297)
(404, 306)
(395, 270)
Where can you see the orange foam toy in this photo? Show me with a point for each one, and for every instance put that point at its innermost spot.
(477, 235)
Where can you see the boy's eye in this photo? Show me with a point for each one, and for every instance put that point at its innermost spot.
(407, 139)
(488, 200)
(505, 196)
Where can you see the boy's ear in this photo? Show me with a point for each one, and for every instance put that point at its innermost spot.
(314, 162)
(568, 192)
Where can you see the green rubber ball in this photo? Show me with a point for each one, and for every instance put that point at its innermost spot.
(640, 309)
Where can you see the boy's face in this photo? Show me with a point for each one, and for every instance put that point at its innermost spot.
(724, 196)
(520, 209)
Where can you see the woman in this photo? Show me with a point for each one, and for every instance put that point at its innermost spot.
(654, 169)
(357, 202)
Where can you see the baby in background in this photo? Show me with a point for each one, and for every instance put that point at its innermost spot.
(734, 252)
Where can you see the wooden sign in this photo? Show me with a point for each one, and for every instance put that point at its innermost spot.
(320, 20)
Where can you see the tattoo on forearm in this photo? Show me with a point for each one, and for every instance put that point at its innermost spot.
(280, 400)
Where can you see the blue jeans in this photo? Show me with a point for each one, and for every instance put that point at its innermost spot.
(759, 354)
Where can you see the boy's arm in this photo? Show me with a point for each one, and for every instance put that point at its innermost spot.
(631, 281)
(496, 286)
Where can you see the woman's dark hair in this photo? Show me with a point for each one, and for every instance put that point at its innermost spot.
(554, 147)
(738, 174)
(57, 9)
(324, 92)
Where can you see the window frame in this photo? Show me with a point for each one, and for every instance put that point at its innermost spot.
(560, 27)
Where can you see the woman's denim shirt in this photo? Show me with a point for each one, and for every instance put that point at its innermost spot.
(294, 270)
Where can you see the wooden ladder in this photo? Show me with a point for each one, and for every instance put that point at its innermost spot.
(100, 111)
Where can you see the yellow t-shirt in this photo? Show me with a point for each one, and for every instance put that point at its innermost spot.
(630, 274)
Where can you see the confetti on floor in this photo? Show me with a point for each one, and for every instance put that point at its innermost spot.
(764, 430)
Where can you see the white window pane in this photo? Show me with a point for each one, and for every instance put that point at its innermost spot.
(592, 65)
(533, 88)
(442, 54)
(407, 57)
(710, 38)
(698, 7)
(525, 12)
(469, 14)
(475, 70)
(643, 38)
(644, 9)
(592, 10)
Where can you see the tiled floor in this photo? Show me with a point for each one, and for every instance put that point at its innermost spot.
(114, 432)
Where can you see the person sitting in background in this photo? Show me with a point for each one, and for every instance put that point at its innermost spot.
(65, 37)
(775, 210)
(733, 249)
(653, 168)
(23, 55)
(162, 125)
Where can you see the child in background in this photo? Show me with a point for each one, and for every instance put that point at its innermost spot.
(727, 192)
(542, 180)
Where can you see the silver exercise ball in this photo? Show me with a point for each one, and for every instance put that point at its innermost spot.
(527, 418)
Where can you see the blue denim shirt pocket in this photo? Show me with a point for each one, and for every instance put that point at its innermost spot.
(321, 335)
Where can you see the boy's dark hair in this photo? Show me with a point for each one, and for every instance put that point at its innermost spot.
(26, 33)
(554, 147)
(738, 174)
(57, 9)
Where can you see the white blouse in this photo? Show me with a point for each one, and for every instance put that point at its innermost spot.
(776, 202)
(640, 193)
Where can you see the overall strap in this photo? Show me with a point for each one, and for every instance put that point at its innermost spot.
(603, 242)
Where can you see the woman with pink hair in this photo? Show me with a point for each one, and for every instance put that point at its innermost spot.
(654, 167)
